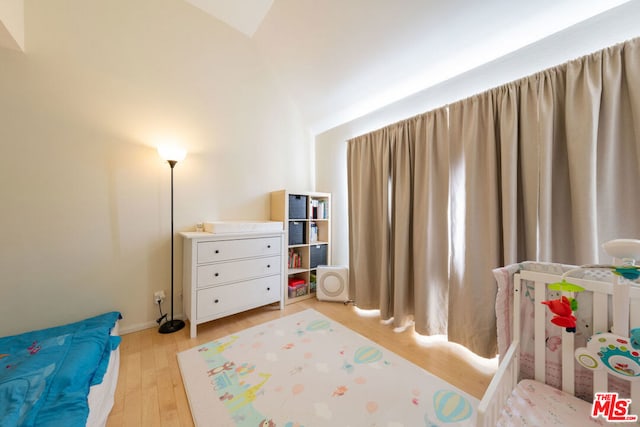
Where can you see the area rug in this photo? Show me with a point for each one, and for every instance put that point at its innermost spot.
(308, 370)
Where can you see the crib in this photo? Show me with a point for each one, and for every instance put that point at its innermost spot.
(511, 400)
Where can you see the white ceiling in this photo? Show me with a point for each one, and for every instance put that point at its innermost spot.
(341, 59)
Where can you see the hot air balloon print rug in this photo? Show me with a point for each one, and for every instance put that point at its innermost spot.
(308, 370)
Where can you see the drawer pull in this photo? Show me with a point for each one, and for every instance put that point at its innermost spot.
(216, 300)
(216, 274)
(268, 246)
(268, 265)
(217, 251)
(268, 289)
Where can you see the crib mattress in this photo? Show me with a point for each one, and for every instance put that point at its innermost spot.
(536, 404)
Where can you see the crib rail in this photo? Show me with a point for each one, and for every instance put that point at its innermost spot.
(499, 389)
(601, 291)
(507, 375)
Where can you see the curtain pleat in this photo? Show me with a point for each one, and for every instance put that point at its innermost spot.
(419, 220)
(398, 217)
(476, 247)
(401, 260)
(492, 203)
(517, 112)
(430, 233)
(368, 159)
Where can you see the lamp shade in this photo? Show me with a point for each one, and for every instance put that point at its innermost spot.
(172, 152)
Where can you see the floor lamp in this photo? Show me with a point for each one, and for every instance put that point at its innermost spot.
(172, 156)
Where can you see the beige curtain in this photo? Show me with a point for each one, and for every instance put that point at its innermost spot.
(369, 160)
(590, 154)
(544, 168)
(493, 197)
(430, 231)
(415, 195)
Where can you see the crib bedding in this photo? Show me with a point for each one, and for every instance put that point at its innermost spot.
(46, 374)
(583, 377)
(535, 404)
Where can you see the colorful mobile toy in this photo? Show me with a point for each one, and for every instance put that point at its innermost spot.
(563, 314)
(628, 272)
(612, 352)
(563, 307)
(635, 338)
(619, 352)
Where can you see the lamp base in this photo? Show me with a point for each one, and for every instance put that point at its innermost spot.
(171, 326)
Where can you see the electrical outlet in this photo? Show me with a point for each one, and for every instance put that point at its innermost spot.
(158, 296)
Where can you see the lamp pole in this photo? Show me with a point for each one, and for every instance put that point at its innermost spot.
(171, 325)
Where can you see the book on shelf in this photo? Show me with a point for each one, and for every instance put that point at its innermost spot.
(318, 209)
(322, 211)
(295, 259)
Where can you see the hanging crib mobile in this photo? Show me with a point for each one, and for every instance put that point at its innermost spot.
(619, 351)
(564, 307)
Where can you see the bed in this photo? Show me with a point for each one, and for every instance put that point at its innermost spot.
(65, 375)
(547, 375)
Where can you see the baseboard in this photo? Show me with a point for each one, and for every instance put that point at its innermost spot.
(142, 326)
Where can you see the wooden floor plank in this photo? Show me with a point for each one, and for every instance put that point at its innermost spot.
(150, 389)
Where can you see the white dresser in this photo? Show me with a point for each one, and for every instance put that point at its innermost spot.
(227, 273)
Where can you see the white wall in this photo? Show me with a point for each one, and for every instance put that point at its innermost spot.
(85, 197)
(604, 30)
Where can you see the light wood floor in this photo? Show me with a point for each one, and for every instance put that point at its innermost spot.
(150, 390)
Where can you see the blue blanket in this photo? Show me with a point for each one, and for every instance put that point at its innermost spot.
(45, 375)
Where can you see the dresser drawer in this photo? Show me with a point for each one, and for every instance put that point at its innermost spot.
(224, 250)
(221, 300)
(233, 271)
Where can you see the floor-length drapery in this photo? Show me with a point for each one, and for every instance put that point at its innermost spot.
(401, 290)
(417, 203)
(419, 223)
(589, 154)
(493, 218)
(430, 231)
(368, 177)
(544, 168)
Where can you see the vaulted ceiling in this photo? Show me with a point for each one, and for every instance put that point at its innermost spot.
(340, 59)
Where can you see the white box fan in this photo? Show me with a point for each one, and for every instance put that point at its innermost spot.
(332, 283)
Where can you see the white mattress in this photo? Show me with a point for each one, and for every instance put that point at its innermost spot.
(101, 396)
(536, 404)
